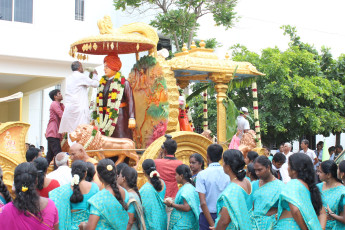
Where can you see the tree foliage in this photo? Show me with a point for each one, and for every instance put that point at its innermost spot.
(179, 18)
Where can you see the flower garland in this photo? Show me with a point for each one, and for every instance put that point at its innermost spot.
(64, 139)
(93, 134)
(107, 125)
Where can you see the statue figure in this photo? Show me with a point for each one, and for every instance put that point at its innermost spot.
(114, 112)
(247, 142)
(83, 133)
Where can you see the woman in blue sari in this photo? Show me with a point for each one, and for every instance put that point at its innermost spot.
(71, 199)
(185, 214)
(127, 178)
(152, 194)
(265, 194)
(300, 204)
(333, 195)
(232, 204)
(108, 209)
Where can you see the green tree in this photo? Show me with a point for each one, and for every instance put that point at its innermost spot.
(179, 19)
(300, 94)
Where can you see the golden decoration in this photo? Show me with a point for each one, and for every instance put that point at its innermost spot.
(227, 55)
(202, 44)
(193, 46)
(105, 25)
(138, 46)
(112, 45)
(107, 45)
(184, 48)
(24, 188)
(95, 46)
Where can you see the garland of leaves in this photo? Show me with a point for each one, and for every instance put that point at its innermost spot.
(93, 134)
(107, 125)
(64, 139)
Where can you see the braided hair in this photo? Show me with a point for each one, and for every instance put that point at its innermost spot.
(184, 170)
(90, 172)
(109, 177)
(303, 166)
(3, 189)
(27, 199)
(78, 168)
(131, 176)
(235, 160)
(41, 165)
(148, 167)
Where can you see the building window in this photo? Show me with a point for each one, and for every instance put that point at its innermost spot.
(16, 10)
(79, 10)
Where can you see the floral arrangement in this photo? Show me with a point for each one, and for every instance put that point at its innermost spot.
(110, 112)
(75, 180)
(154, 173)
(93, 134)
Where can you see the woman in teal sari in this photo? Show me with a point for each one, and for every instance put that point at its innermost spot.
(333, 195)
(232, 204)
(127, 178)
(108, 209)
(265, 194)
(152, 194)
(71, 199)
(185, 214)
(300, 204)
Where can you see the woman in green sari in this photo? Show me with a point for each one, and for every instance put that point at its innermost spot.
(152, 194)
(232, 207)
(333, 195)
(185, 214)
(265, 194)
(127, 178)
(108, 209)
(71, 199)
(300, 204)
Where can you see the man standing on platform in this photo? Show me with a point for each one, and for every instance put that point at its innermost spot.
(52, 133)
(77, 110)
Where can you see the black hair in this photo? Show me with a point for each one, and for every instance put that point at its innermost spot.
(149, 166)
(90, 172)
(53, 93)
(252, 155)
(304, 167)
(339, 146)
(320, 143)
(131, 176)
(331, 149)
(264, 161)
(279, 158)
(119, 167)
(199, 159)
(3, 189)
(78, 168)
(306, 142)
(342, 166)
(25, 175)
(186, 172)
(41, 165)
(41, 147)
(107, 171)
(214, 152)
(235, 160)
(31, 154)
(330, 167)
(75, 65)
(250, 168)
(170, 146)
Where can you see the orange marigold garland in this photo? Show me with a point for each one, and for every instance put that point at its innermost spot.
(107, 125)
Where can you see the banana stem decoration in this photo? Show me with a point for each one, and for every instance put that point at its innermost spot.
(256, 114)
(205, 122)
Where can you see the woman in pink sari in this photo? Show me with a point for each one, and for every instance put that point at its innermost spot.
(28, 210)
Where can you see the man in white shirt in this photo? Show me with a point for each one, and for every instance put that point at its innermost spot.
(63, 173)
(284, 169)
(76, 98)
(242, 122)
(309, 152)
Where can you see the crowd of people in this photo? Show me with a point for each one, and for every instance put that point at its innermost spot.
(242, 193)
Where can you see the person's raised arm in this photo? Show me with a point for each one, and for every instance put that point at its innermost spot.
(57, 109)
(296, 214)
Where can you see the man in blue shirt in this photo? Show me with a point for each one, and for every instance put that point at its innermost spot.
(210, 183)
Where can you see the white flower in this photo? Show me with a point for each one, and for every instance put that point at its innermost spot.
(75, 180)
(154, 173)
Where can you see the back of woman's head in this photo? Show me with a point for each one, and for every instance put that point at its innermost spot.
(27, 198)
(304, 167)
(235, 160)
(199, 159)
(252, 155)
(330, 167)
(149, 167)
(107, 171)
(185, 171)
(41, 165)
(79, 170)
(119, 167)
(90, 171)
(131, 176)
(264, 161)
(342, 166)
(250, 168)
(3, 189)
